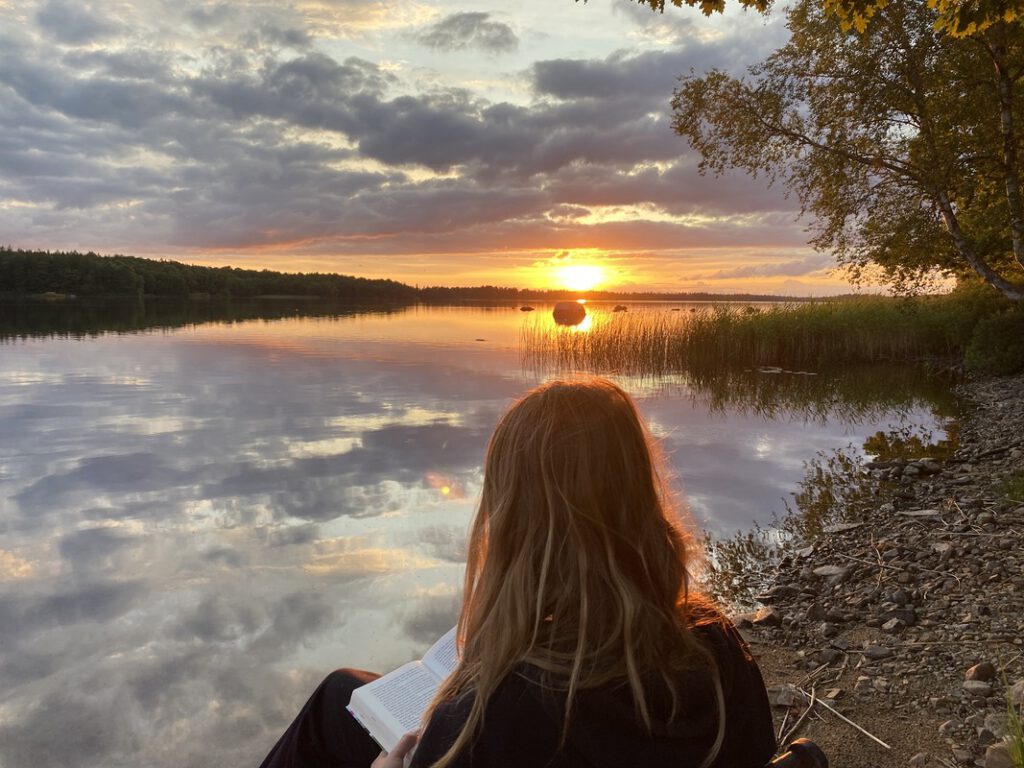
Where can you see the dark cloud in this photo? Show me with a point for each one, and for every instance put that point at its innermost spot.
(129, 473)
(459, 31)
(74, 23)
(24, 616)
(219, 620)
(432, 617)
(226, 137)
(350, 483)
(94, 549)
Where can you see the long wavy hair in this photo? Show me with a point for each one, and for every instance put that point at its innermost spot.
(577, 559)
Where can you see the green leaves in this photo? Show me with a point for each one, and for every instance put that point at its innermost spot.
(957, 18)
(893, 139)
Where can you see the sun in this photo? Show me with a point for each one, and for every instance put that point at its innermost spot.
(580, 277)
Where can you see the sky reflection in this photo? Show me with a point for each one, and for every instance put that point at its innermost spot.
(198, 524)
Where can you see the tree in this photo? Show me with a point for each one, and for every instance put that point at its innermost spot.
(900, 142)
(958, 18)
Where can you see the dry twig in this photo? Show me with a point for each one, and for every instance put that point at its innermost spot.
(847, 720)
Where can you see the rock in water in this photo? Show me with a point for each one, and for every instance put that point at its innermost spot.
(569, 313)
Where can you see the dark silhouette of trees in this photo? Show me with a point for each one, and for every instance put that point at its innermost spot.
(29, 273)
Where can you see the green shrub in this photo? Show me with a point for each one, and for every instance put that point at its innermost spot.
(997, 344)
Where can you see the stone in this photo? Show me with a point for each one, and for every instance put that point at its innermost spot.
(894, 626)
(784, 695)
(815, 612)
(907, 614)
(977, 687)
(998, 756)
(962, 756)
(769, 616)
(834, 574)
(984, 671)
(996, 723)
(1017, 693)
(778, 592)
(920, 760)
(829, 656)
(950, 727)
(877, 652)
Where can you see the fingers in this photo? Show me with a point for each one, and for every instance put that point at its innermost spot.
(405, 745)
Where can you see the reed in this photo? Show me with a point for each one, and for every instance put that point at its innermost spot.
(1014, 728)
(806, 336)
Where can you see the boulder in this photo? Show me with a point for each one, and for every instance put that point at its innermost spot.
(569, 313)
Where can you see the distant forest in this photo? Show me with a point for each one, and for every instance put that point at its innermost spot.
(34, 273)
(26, 274)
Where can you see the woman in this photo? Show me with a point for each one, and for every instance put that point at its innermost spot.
(582, 641)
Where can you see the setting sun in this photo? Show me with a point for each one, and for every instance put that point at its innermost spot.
(580, 277)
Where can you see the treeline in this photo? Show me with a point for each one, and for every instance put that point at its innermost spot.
(37, 273)
(441, 294)
(33, 273)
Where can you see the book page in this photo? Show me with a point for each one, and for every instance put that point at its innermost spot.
(401, 696)
(443, 655)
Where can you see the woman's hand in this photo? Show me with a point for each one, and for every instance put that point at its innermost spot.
(396, 757)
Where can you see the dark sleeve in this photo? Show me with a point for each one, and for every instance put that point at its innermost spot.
(516, 733)
(442, 729)
(749, 731)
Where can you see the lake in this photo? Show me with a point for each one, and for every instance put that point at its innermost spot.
(203, 511)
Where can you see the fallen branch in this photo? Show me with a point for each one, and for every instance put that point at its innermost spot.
(901, 570)
(845, 719)
(785, 739)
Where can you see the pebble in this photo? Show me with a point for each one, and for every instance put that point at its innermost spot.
(984, 671)
(877, 652)
(977, 687)
(769, 616)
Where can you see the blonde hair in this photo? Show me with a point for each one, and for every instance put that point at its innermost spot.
(577, 562)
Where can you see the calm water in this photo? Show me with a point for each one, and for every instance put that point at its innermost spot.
(198, 522)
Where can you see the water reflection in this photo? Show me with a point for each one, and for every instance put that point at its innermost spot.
(198, 522)
(836, 488)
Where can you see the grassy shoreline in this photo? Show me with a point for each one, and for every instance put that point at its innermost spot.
(807, 336)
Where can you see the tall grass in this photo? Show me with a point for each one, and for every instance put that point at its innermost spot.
(805, 336)
(1014, 728)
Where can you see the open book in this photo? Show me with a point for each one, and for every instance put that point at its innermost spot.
(393, 705)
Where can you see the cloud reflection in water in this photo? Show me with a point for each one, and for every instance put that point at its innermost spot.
(197, 525)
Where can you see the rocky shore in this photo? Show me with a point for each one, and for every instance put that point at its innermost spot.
(909, 620)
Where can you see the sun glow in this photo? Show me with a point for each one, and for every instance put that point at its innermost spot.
(580, 277)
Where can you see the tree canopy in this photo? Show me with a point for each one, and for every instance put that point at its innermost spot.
(958, 18)
(900, 142)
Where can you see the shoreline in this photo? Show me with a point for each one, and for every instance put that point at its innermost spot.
(883, 617)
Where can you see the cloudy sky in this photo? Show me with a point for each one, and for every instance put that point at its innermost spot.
(435, 142)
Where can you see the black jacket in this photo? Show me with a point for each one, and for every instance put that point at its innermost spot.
(523, 721)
